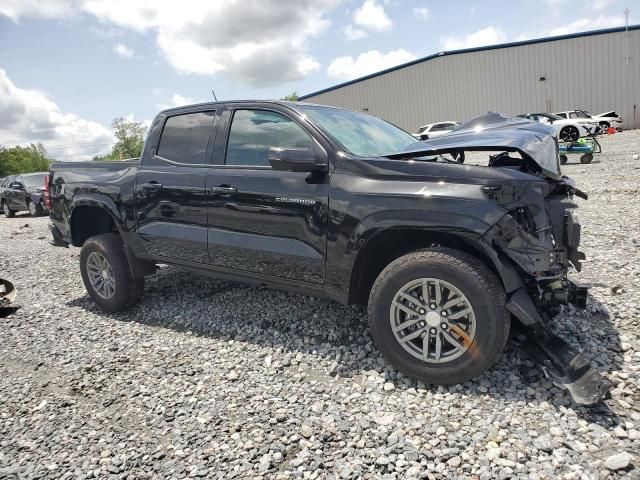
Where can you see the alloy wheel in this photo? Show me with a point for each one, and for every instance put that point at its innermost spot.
(101, 275)
(570, 134)
(432, 320)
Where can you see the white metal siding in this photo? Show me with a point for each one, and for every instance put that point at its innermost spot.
(587, 72)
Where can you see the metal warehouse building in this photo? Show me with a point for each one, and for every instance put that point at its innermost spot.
(596, 71)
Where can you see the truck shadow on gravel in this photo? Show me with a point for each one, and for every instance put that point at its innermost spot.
(296, 326)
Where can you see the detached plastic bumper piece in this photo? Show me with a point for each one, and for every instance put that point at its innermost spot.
(567, 368)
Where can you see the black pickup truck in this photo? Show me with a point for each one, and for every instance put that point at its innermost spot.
(343, 205)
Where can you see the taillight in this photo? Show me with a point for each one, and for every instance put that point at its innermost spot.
(47, 194)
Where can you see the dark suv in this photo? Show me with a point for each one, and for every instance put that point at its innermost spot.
(24, 192)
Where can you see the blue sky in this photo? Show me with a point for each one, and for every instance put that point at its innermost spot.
(69, 67)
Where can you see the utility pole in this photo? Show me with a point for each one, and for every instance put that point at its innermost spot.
(626, 30)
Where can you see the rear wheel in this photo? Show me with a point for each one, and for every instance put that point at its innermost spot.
(7, 211)
(35, 209)
(569, 134)
(563, 159)
(106, 275)
(604, 127)
(586, 158)
(439, 316)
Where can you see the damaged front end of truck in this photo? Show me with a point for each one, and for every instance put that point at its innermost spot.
(535, 243)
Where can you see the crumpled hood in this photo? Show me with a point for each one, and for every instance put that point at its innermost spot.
(535, 141)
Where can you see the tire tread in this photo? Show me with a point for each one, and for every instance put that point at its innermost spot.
(111, 243)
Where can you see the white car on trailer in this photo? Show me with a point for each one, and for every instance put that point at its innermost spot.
(569, 129)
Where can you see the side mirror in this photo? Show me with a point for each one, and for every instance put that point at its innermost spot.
(297, 160)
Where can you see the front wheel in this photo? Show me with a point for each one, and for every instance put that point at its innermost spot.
(439, 316)
(7, 211)
(106, 275)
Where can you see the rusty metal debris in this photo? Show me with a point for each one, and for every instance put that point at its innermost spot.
(7, 296)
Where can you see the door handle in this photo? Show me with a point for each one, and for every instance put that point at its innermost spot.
(223, 189)
(151, 186)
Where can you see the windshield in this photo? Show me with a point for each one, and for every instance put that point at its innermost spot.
(359, 134)
(552, 116)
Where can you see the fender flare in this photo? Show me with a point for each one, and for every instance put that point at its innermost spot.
(138, 268)
(502, 266)
(100, 201)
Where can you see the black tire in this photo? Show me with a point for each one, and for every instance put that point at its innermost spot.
(7, 211)
(475, 281)
(586, 158)
(563, 159)
(569, 134)
(128, 289)
(36, 209)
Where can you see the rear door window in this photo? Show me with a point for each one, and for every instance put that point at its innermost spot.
(185, 138)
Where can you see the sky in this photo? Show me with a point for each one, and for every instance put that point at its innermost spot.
(69, 67)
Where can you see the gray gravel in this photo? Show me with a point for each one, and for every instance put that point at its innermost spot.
(213, 379)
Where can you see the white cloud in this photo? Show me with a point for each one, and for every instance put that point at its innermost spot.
(124, 51)
(472, 11)
(177, 100)
(422, 13)
(14, 9)
(584, 24)
(486, 36)
(29, 116)
(599, 5)
(371, 15)
(260, 42)
(352, 33)
(346, 68)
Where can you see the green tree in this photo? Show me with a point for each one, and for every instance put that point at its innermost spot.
(292, 97)
(130, 139)
(130, 136)
(23, 160)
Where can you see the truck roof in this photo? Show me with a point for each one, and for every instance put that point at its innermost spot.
(285, 103)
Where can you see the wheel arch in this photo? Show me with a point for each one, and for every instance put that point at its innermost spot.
(387, 245)
(89, 216)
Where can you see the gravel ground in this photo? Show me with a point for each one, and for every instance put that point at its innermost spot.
(214, 379)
